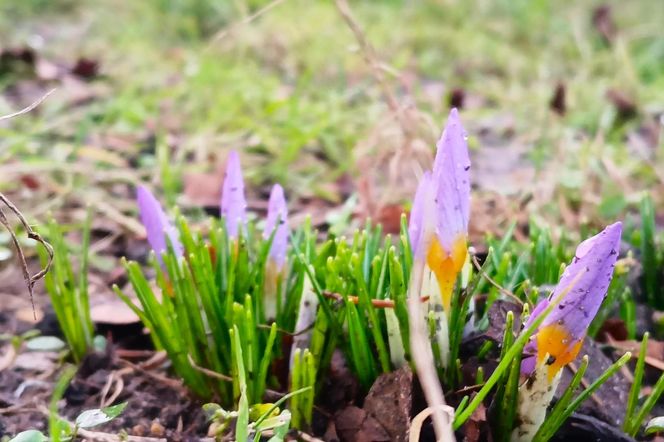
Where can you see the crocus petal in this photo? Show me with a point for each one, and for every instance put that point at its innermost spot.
(584, 284)
(451, 171)
(277, 218)
(157, 224)
(424, 195)
(446, 254)
(539, 308)
(233, 202)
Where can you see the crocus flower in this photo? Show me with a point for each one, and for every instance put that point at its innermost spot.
(439, 218)
(277, 218)
(584, 284)
(277, 224)
(233, 202)
(557, 342)
(157, 225)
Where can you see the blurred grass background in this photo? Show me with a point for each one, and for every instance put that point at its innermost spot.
(176, 84)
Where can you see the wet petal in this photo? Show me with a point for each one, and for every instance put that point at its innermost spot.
(277, 218)
(425, 194)
(587, 280)
(583, 285)
(451, 172)
(233, 202)
(156, 223)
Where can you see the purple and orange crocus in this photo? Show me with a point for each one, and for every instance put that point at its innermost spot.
(438, 227)
(582, 287)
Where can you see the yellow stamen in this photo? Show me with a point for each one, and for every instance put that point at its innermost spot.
(554, 340)
(446, 266)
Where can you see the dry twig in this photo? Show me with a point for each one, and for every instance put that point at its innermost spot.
(226, 31)
(30, 280)
(29, 108)
(501, 289)
(424, 362)
(377, 67)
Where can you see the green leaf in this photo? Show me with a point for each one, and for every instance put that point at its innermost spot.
(655, 425)
(98, 416)
(45, 343)
(29, 436)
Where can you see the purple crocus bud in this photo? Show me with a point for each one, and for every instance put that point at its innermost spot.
(425, 194)
(450, 182)
(157, 225)
(277, 218)
(233, 202)
(451, 170)
(583, 287)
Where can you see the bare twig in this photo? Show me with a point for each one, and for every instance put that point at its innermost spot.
(207, 372)
(501, 289)
(423, 359)
(30, 280)
(377, 303)
(29, 108)
(416, 423)
(226, 31)
(377, 67)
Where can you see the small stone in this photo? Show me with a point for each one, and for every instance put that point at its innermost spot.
(157, 429)
(138, 430)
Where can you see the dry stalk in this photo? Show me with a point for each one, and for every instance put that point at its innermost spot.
(30, 280)
(29, 108)
(223, 33)
(377, 67)
(423, 359)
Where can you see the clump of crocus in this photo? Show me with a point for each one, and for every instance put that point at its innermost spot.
(276, 226)
(158, 227)
(438, 227)
(233, 202)
(558, 340)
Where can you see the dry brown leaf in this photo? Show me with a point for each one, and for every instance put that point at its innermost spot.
(7, 356)
(113, 312)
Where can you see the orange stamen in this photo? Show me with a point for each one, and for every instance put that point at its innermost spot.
(556, 341)
(446, 266)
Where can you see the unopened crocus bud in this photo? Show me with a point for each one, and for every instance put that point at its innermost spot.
(438, 228)
(584, 284)
(557, 341)
(233, 202)
(277, 222)
(439, 219)
(157, 225)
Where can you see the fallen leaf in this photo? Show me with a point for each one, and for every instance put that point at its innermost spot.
(45, 343)
(7, 356)
(204, 189)
(389, 401)
(353, 424)
(98, 416)
(40, 361)
(114, 311)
